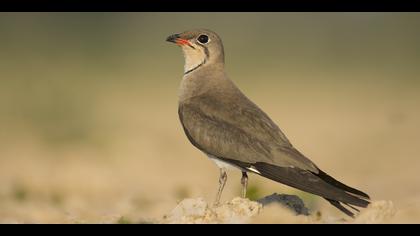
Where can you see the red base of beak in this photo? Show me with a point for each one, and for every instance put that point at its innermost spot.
(182, 42)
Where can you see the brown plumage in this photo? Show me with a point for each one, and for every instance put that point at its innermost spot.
(223, 123)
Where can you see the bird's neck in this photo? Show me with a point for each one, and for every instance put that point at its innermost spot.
(201, 80)
(192, 65)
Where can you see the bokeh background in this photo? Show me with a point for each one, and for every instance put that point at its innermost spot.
(89, 130)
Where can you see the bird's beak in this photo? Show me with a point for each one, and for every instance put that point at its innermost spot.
(178, 40)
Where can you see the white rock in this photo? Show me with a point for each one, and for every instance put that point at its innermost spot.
(193, 211)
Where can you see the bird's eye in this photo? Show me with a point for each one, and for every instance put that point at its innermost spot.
(203, 39)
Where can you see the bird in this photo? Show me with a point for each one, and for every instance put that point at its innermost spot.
(222, 122)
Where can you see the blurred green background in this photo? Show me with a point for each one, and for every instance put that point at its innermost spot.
(88, 107)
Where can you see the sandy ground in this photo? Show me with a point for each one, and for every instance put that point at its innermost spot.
(138, 165)
(240, 211)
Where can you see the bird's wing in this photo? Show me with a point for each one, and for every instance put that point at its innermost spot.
(238, 131)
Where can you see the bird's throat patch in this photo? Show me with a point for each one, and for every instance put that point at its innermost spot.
(194, 58)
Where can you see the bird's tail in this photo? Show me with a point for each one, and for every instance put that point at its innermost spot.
(363, 197)
(324, 176)
(319, 183)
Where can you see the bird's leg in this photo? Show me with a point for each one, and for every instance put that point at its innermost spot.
(222, 182)
(244, 182)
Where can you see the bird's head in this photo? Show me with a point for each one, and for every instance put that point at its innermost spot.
(201, 47)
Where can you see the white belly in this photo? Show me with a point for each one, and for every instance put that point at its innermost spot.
(223, 164)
